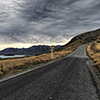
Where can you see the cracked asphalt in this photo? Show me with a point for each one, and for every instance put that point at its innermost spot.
(68, 78)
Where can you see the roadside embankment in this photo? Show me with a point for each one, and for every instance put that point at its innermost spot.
(93, 51)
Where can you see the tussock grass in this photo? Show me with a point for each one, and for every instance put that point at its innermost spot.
(10, 66)
(98, 46)
(93, 51)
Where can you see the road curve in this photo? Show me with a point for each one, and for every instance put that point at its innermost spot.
(66, 79)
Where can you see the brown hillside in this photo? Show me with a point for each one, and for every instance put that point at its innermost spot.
(81, 39)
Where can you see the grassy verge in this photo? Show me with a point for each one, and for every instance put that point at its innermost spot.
(13, 65)
(93, 51)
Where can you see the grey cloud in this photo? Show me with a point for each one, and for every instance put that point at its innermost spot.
(50, 21)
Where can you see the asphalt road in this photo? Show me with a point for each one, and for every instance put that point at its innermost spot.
(66, 79)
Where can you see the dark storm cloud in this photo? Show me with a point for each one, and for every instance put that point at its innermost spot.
(50, 21)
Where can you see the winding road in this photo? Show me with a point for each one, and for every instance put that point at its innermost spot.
(68, 78)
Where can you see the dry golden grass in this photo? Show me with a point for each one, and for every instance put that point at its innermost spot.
(98, 46)
(94, 52)
(58, 54)
(10, 66)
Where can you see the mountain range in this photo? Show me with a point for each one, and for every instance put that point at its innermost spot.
(34, 50)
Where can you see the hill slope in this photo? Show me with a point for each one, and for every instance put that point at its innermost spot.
(81, 39)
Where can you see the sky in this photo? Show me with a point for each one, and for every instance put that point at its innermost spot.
(24, 23)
